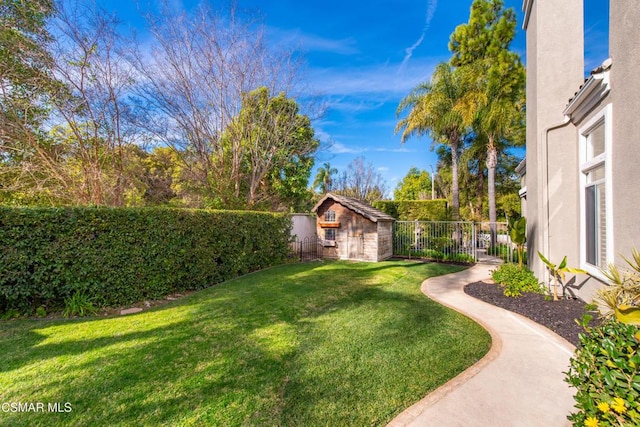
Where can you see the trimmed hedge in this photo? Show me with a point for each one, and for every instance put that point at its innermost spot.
(120, 256)
(411, 210)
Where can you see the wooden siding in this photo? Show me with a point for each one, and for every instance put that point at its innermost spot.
(357, 238)
(385, 240)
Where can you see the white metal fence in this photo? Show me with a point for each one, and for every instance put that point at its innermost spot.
(455, 241)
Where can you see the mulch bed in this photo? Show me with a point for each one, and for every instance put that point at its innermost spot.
(559, 316)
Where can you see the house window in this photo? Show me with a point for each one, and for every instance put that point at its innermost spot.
(330, 216)
(330, 234)
(596, 217)
(595, 221)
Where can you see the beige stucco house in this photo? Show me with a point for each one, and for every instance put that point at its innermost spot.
(582, 171)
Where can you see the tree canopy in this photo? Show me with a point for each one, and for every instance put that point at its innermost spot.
(497, 79)
(203, 115)
(416, 185)
(473, 106)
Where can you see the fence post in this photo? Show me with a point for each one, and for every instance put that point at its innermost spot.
(474, 244)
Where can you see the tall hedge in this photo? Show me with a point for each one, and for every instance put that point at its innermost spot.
(119, 256)
(411, 210)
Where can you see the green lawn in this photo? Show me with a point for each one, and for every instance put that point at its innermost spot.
(325, 343)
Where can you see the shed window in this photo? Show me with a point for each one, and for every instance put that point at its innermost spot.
(330, 216)
(330, 234)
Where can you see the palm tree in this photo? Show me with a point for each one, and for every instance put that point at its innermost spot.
(499, 116)
(440, 109)
(323, 180)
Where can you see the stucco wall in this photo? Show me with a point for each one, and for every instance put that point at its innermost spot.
(554, 74)
(624, 40)
(303, 226)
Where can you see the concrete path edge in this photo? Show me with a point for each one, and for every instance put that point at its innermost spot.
(413, 414)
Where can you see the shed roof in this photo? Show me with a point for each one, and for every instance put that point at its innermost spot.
(357, 206)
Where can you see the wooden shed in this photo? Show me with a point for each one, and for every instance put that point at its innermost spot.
(352, 229)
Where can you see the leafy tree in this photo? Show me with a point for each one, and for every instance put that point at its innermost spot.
(496, 80)
(90, 59)
(439, 109)
(25, 67)
(416, 185)
(82, 157)
(26, 84)
(323, 180)
(273, 146)
(209, 92)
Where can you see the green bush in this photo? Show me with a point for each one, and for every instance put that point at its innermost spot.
(120, 256)
(604, 371)
(411, 210)
(515, 280)
(79, 304)
(459, 257)
(507, 254)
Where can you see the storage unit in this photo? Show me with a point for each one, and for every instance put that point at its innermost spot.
(354, 230)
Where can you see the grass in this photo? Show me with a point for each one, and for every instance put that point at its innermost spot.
(327, 343)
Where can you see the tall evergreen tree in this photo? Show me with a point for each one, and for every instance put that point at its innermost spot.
(497, 80)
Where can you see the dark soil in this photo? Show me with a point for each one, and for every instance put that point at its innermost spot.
(559, 316)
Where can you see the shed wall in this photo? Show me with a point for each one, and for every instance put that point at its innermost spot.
(356, 237)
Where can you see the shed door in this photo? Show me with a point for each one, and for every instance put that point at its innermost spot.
(355, 243)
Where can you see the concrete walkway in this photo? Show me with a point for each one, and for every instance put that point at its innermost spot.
(520, 382)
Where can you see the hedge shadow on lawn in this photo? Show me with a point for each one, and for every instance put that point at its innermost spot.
(242, 353)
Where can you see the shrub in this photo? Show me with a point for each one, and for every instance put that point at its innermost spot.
(410, 210)
(79, 304)
(459, 257)
(120, 256)
(515, 280)
(604, 371)
(506, 253)
(621, 299)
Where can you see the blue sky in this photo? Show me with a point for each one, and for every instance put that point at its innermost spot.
(364, 57)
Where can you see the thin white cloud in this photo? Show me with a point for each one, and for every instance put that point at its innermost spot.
(339, 148)
(377, 79)
(313, 43)
(344, 103)
(395, 150)
(431, 10)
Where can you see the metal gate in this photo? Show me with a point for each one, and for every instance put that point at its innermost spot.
(452, 241)
(307, 249)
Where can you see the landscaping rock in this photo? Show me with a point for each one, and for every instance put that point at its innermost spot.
(130, 310)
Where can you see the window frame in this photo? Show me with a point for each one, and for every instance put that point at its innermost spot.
(328, 231)
(585, 166)
(330, 216)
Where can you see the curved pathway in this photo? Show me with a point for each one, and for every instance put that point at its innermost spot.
(520, 382)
